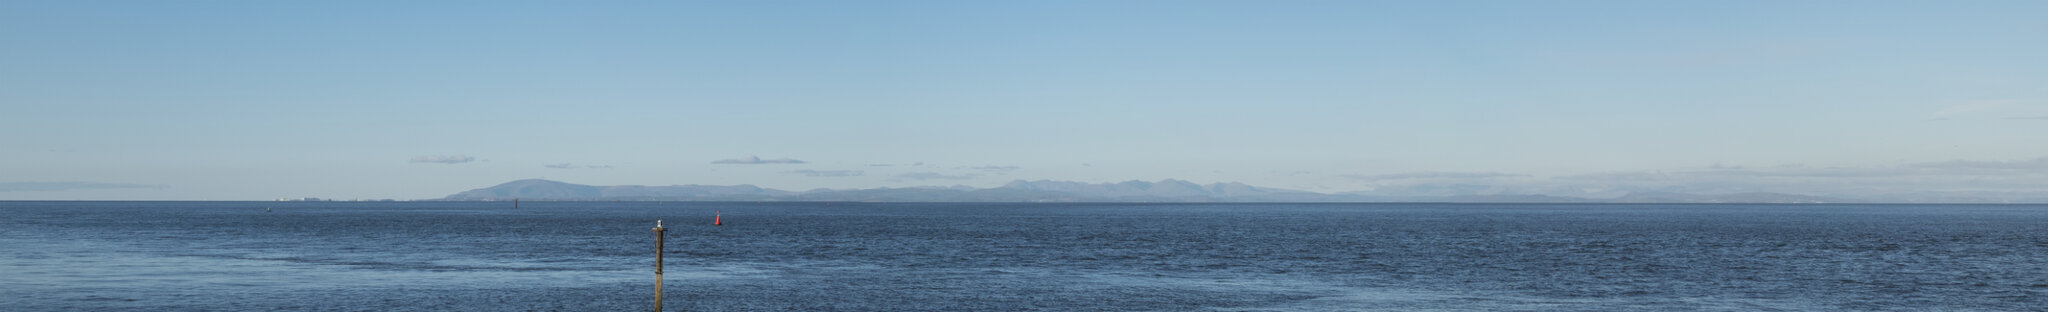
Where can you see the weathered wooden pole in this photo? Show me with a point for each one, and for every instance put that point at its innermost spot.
(659, 237)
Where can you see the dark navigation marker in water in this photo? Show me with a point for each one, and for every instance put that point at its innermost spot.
(660, 240)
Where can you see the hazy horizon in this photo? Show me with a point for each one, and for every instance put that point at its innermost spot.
(250, 100)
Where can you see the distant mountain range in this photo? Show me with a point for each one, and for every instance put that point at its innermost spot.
(1055, 191)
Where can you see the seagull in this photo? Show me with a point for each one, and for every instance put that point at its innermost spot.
(657, 223)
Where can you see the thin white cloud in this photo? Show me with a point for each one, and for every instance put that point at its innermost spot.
(1973, 107)
(755, 160)
(827, 173)
(60, 186)
(442, 159)
(1978, 177)
(936, 176)
(1966, 180)
(2033, 166)
(1432, 175)
(996, 169)
(1997, 108)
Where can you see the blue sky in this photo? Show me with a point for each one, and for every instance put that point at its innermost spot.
(252, 100)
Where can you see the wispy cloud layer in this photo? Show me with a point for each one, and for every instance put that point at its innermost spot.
(1432, 175)
(935, 176)
(442, 159)
(915, 164)
(755, 160)
(2033, 166)
(1996, 108)
(996, 169)
(828, 173)
(60, 186)
(1982, 178)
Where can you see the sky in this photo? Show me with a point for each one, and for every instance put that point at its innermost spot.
(257, 100)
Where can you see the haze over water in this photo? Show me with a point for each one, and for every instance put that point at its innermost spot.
(588, 256)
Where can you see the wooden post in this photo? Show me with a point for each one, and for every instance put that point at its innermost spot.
(659, 237)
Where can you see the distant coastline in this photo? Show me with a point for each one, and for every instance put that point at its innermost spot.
(1165, 191)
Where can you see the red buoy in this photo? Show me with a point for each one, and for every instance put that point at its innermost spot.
(718, 218)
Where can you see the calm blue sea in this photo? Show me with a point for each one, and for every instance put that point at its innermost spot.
(592, 256)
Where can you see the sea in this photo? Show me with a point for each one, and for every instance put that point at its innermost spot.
(814, 256)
